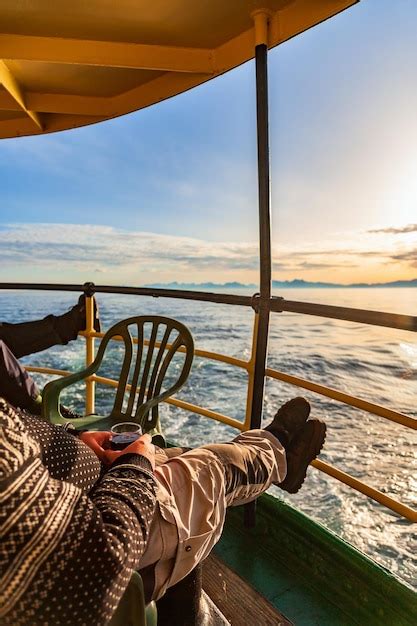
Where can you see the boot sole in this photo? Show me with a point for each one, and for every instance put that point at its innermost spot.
(313, 449)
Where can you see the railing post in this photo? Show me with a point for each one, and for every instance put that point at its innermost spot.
(261, 18)
(89, 354)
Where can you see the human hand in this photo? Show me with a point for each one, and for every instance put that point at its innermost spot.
(99, 442)
(142, 446)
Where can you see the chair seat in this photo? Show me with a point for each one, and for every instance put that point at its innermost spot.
(95, 422)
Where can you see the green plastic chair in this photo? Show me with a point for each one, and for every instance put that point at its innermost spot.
(144, 371)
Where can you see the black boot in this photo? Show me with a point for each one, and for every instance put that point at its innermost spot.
(70, 324)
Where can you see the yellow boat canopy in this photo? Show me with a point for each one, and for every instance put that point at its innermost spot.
(65, 64)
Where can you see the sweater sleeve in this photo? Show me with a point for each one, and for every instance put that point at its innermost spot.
(67, 557)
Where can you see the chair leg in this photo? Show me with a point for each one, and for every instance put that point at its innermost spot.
(181, 603)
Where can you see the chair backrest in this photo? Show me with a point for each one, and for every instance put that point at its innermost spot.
(146, 366)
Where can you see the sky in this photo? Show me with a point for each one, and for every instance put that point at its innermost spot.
(170, 193)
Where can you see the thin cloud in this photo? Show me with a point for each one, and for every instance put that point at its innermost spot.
(338, 252)
(306, 265)
(411, 228)
(409, 256)
(104, 246)
(137, 254)
(290, 266)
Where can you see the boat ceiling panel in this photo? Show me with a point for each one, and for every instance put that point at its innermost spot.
(9, 115)
(190, 23)
(85, 80)
(65, 64)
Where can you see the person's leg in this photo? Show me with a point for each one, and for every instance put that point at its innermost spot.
(16, 386)
(251, 463)
(29, 337)
(246, 463)
(197, 487)
(162, 455)
(194, 490)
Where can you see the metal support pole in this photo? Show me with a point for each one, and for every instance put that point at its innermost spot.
(261, 54)
(264, 232)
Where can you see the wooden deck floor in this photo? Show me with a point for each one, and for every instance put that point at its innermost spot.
(240, 604)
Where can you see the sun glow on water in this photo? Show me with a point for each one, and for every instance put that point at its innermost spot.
(410, 352)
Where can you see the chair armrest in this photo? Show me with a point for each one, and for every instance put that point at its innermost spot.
(52, 391)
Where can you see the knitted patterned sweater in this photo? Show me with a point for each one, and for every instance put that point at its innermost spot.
(66, 556)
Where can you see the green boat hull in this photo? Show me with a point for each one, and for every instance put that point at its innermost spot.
(311, 575)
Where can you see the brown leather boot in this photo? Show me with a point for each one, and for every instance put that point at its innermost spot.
(289, 419)
(304, 447)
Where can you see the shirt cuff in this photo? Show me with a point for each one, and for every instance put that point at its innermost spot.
(131, 458)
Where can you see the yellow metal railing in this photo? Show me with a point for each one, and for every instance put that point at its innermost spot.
(364, 405)
(89, 356)
(367, 490)
(90, 334)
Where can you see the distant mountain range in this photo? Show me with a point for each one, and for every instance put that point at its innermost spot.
(282, 284)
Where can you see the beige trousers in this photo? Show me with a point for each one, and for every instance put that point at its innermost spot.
(194, 491)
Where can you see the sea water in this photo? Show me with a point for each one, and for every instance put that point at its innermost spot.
(377, 364)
